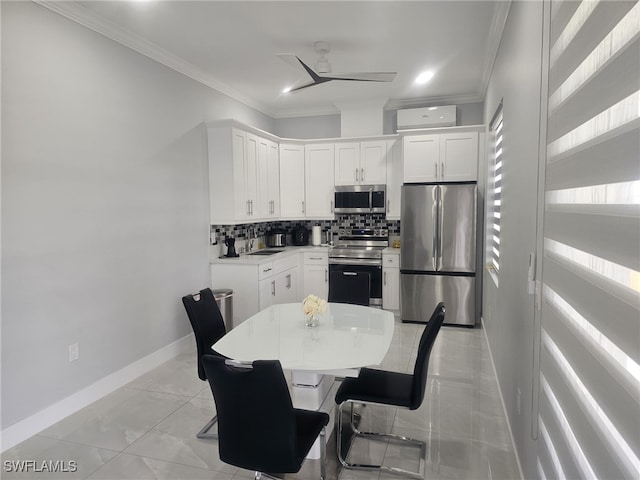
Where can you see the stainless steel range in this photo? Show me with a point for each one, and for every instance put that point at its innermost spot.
(360, 250)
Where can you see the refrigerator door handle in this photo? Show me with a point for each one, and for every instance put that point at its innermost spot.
(436, 233)
(440, 226)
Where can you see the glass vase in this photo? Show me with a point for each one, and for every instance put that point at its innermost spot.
(312, 320)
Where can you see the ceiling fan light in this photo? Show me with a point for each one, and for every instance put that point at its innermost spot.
(424, 77)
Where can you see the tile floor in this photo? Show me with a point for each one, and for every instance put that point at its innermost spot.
(146, 430)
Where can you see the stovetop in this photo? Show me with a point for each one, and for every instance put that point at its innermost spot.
(360, 243)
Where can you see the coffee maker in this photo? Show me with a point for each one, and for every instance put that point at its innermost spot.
(230, 242)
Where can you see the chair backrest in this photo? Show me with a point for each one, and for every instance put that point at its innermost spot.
(256, 419)
(349, 287)
(427, 340)
(206, 321)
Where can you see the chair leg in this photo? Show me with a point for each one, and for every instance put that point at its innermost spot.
(355, 466)
(323, 455)
(204, 433)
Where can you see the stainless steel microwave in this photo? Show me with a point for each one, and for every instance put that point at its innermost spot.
(360, 199)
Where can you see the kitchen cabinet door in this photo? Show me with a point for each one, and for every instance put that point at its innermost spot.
(347, 163)
(394, 178)
(319, 180)
(267, 292)
(286, 286)
(459, 157)
(316, 281)
(391, 281)
(421, 158)
(239, 159)
(373, 162)
(251, 175)
(268, 180)
(292, 194)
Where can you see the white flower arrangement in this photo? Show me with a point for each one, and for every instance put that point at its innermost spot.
(313, 305)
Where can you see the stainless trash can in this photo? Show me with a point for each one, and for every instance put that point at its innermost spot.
(224, 299)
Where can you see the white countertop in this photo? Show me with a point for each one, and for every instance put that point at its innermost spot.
(246, 259)
(349, 336)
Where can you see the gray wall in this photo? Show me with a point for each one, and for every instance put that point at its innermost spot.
(104, 204)
(508, 311)
(328, 126)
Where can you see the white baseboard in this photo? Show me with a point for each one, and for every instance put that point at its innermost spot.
(20, 431)
(504, 406)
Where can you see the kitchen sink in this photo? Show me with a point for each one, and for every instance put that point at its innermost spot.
(265, 252)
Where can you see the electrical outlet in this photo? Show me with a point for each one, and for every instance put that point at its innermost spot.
(519, 401)
(74, 352)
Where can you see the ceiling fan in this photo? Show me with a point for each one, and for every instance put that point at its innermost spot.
(322, 72)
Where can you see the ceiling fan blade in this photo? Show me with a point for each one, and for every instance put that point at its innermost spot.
(294, 61)
(363, 76)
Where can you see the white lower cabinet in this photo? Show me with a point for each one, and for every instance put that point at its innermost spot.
(316, 274)
(256, 287)
(391, 281)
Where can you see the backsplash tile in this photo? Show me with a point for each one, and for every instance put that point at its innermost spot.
(218, 232)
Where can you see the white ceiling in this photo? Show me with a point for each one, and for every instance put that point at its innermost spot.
(231, 46)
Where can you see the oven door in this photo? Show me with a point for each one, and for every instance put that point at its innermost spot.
(371, 266)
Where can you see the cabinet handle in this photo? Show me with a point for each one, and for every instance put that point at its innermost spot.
(303, 206)
(385, 278)
(315, 258)
(331, 206)
(326, 276)
(273, 288)
(436, 165)
(288, 277)
(356, 174)
(388, 206)
(442, 169)
(248, 209)
(266, 270)
(362, 174)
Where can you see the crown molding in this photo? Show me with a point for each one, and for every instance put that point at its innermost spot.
(495, 36)
(306, 112)
(85, 17)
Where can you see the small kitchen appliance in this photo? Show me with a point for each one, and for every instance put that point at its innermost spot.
(300, 235)
(231, 247)
(276, 238)
(316, 235)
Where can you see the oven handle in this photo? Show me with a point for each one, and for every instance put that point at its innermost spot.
(355, 261)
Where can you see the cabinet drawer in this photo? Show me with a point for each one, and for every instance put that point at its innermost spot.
(316, 258)
(265, 270)
(285, 264)
(391, 261)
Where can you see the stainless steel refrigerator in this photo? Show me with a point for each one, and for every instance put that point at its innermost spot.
(438, 251)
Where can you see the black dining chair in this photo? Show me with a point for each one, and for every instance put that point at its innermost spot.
(381, 387)
(258, 427)
(349, 287)
(208, 327)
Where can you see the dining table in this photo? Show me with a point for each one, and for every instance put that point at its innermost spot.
(346, 338)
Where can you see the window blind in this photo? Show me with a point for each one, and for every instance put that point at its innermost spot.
(494, 195)
(589, 398)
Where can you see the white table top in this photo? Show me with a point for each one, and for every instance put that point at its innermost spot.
(349, 336)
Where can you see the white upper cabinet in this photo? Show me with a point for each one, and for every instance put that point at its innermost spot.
(442, 157)
(347, 163)
(292, 181)
(233, 175)
(269, 180)
(319, 180)
(361, 163)
(373, 162)
(459, 156)
(394, 178)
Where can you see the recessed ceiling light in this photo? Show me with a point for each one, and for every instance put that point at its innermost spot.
(286, 89)
(433, 108)
(424, 77)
